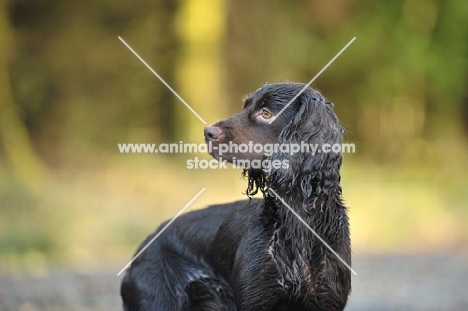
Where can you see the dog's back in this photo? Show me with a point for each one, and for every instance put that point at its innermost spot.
(177, 271)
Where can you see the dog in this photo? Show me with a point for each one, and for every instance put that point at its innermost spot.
(256, 254)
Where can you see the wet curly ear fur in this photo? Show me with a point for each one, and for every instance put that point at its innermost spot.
(310, 175)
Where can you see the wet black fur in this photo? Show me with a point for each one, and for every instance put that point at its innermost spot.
(255, 254)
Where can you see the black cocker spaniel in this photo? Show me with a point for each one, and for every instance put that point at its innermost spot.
(256, 254)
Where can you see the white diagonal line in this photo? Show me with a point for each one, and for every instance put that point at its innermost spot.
(159, 233)
(162, 80)
(313, 79)
(312, 230)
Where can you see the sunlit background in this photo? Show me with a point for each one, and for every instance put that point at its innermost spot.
(70, 91)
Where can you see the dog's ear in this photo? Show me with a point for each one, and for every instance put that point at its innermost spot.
(316, 129)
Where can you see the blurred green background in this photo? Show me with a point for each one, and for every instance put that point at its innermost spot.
(70, 91)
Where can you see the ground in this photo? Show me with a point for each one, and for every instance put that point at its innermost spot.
(390, 282)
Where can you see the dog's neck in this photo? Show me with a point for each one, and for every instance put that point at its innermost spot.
(317, 202)
(320, 206)
(299, 254)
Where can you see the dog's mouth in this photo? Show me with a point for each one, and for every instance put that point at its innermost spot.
(242, 155)
(217, 147)
(252, 162)
(222, 151)
(213, 148)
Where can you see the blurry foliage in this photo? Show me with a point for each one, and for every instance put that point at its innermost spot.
(77, 85)
(399, 86)
(70, 91)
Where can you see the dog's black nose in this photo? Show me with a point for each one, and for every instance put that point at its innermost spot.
(212, 133)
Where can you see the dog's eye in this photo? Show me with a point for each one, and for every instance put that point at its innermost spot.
(266, 114)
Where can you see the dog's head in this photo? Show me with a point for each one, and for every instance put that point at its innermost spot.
(277, 119)
(252, 125)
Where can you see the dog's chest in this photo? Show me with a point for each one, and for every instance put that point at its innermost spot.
(292, 260)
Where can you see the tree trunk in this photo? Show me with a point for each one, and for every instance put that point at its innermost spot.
(24, 161)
